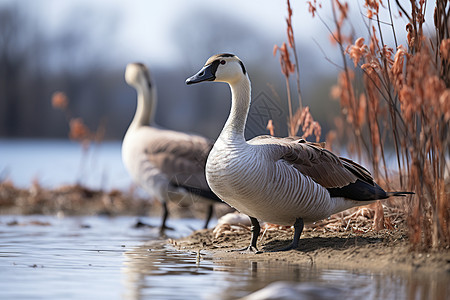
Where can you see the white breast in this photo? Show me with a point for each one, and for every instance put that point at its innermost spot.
(143, 172)
(269, 190)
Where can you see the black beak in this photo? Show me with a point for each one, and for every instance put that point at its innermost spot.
(207, 73)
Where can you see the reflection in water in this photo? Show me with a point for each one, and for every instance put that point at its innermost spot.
(155, 271)
(59, 258)
(152, 271)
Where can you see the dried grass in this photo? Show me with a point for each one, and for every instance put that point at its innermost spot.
(405, 102)
(300, 122)
(69, 200)
(355, 220)
(78, 130)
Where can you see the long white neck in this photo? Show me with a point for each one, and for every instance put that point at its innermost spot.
(146, 106)
(240, 104)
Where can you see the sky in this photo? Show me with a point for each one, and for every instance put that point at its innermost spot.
(146, 30)
(144, 26)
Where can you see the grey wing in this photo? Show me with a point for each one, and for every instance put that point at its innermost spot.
(181, 157)
(340, 176)
(324, 167)
(313, 160)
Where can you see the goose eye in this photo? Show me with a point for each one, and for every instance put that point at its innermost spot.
(222, 62)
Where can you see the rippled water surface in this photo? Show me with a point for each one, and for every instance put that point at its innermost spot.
(44, 257)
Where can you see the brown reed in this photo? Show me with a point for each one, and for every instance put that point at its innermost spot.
(78, 130)
(405, 102)
(302, 120)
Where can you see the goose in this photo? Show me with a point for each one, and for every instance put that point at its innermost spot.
(167, 164)
(285, 181)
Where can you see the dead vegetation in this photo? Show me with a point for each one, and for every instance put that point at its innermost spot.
(396, 98)
(69, 200)
(77, 200)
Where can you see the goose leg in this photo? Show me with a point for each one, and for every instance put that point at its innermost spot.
(164, 219)
(140, 224)
(298, 228)
(255, 229)
(209, 215)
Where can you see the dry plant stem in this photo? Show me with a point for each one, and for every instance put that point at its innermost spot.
(390, 99)
(288, 91)
(78, 131)
(403, 10)
(381, 138)
(302, 117)
(392, 24)
(415, 92)
(428, 158)
(396, 143)
(298, 79)
(410, 94)
(347, 74)
(297, 69)
(442, 19)
(392, 103)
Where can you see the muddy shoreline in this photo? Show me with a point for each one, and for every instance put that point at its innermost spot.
(382, 251)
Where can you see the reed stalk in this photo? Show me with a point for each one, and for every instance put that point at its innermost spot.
(407, 91)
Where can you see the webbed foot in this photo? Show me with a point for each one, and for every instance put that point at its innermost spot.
(140, 224)
(249, 249)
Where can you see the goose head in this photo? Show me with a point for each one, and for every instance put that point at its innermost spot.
(221, 68)
(229, 68)
(137, 75)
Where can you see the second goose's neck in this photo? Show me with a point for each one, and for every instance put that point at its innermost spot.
(145, 110)
(240, 104)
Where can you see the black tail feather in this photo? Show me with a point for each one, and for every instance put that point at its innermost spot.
(399, 194)
(363, 191)
(208, 194)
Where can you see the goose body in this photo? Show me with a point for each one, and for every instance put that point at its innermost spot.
(167, 164)
(285, 181)
(259, 185)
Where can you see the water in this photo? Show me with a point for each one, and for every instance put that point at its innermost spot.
(45, 257)
(56, 162)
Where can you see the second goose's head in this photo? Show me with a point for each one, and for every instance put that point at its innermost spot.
(138, 76)
(222, 68)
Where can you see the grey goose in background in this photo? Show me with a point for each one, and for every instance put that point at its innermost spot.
(285, 181)
(167, 164)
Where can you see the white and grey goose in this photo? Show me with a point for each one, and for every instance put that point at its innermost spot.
(167, 164)
(285, 181)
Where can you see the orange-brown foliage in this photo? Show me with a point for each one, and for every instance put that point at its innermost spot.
(270, 127)
(287, 67)
(78, 130)
(302, 118)
(445, 49)
(59, 100)
(357, 51)
(408, 93)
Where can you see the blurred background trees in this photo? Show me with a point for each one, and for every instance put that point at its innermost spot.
(85, 56)
(35, 62)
